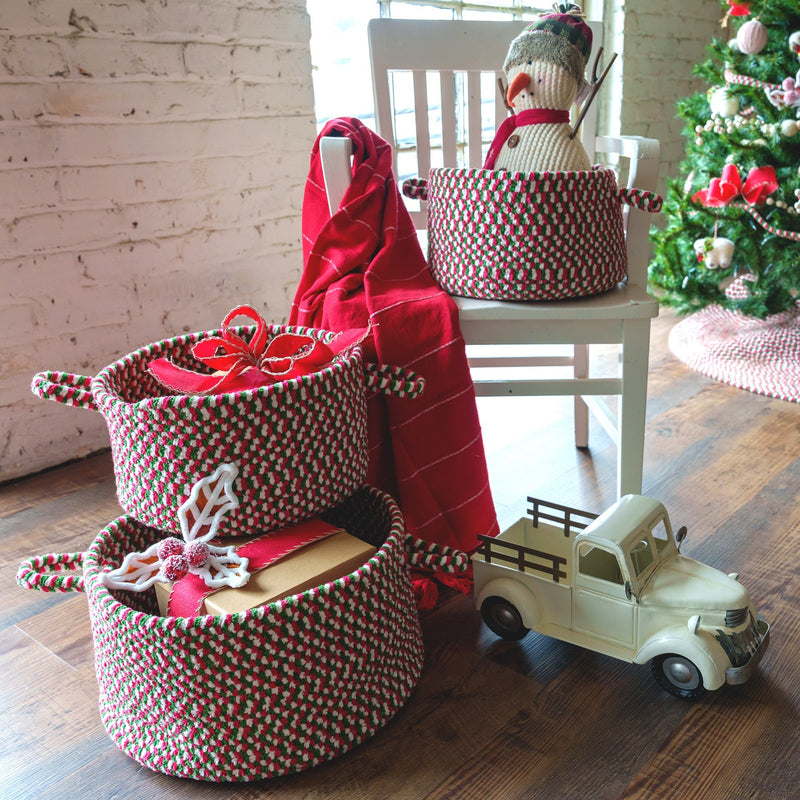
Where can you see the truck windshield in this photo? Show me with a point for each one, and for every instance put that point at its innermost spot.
(641, 556)
(661, 536)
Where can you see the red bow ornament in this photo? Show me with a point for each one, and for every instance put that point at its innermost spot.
(239, 364)
(738, 9)
(761, 182)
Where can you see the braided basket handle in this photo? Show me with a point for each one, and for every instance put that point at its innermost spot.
(436, 556)
(642, 199)
(416, 188)
(65, 388)
(42, 573)
(394, 381)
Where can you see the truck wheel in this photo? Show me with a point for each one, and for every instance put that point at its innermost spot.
(678, 676)
(503, 618)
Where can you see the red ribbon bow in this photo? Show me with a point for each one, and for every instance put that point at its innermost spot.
(761, 182)
(240, 365)
(738, 9)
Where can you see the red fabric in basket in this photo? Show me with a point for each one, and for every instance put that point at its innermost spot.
(364, 265)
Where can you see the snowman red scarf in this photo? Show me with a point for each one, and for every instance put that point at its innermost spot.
(364, 266)
(530, 116)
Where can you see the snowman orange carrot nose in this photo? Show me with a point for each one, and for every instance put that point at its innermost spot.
(520, 82)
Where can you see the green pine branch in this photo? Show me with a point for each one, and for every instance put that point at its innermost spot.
(760, 134)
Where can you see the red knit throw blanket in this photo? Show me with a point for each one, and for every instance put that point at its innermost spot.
(364, 266)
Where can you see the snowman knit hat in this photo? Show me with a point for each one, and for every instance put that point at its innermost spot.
(563, 38)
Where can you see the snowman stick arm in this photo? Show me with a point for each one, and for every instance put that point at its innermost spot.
(596, 64)
(596, 84)
(504, 94)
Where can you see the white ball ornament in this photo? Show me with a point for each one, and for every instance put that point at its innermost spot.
(723, 103)
(788, 128)
(794, 43)
(752, 37)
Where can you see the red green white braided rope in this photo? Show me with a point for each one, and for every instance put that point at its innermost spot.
(38, 573)
(746, 80)
(793, 235)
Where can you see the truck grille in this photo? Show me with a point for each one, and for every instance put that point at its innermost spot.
(739, 647)
(733, 619)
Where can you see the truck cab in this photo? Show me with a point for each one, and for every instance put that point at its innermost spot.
(618, 584)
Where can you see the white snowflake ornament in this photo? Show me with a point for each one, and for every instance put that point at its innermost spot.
(172, 558)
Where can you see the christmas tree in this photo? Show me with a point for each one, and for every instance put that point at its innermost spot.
(732, 234)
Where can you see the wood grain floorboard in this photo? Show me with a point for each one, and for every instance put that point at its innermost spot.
(489, 719)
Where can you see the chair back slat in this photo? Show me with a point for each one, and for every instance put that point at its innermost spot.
(421, 115)
(447, 85)
(467, 56)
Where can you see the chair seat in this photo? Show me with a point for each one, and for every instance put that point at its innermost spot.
(625, 302)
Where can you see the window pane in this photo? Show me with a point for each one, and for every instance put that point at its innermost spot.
(340, 59)
(601, 564)
(401, 10)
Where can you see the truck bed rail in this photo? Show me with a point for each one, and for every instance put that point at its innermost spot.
(564, 516)
(521, 556)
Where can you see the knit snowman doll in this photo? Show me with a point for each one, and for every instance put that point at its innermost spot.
(545, 70)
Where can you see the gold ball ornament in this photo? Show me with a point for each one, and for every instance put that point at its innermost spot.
(788, 128)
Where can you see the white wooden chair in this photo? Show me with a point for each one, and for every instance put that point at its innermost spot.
(460, 52)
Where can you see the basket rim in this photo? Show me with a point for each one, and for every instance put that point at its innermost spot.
(107, 400)
(597, 172)
(114, 610)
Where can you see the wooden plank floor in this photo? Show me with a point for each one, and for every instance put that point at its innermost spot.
(489, 719)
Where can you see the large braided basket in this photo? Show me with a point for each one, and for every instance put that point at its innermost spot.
(271, 691)
(300, 445)
(526, 236)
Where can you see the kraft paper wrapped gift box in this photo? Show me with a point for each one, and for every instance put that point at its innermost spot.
(326, 560)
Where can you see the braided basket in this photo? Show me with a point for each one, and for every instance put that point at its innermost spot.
(274, 690)
(300, 445)
(526, 236)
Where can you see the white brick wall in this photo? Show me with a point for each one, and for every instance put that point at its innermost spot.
(659, 45)
(152, 161)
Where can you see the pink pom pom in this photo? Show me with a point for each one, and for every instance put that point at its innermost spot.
(196, 553)
(174, 567)
(170, 547)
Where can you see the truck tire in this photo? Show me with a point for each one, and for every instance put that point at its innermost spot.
(678, 676)
(502, 618)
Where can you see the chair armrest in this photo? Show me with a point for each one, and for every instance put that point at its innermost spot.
(644, 157)
(335, 152)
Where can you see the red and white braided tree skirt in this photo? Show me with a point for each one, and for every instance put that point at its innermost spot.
(761, 356)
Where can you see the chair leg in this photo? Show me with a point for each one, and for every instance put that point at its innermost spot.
(632, 406)
(581, 370)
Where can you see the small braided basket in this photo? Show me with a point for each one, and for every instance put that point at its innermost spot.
(300, 445)
(270, 691)
(526, 236)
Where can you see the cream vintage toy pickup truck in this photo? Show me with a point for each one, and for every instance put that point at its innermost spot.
(617, 584)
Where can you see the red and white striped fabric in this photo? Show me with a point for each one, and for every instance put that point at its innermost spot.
(760, 355)
(364, 266)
